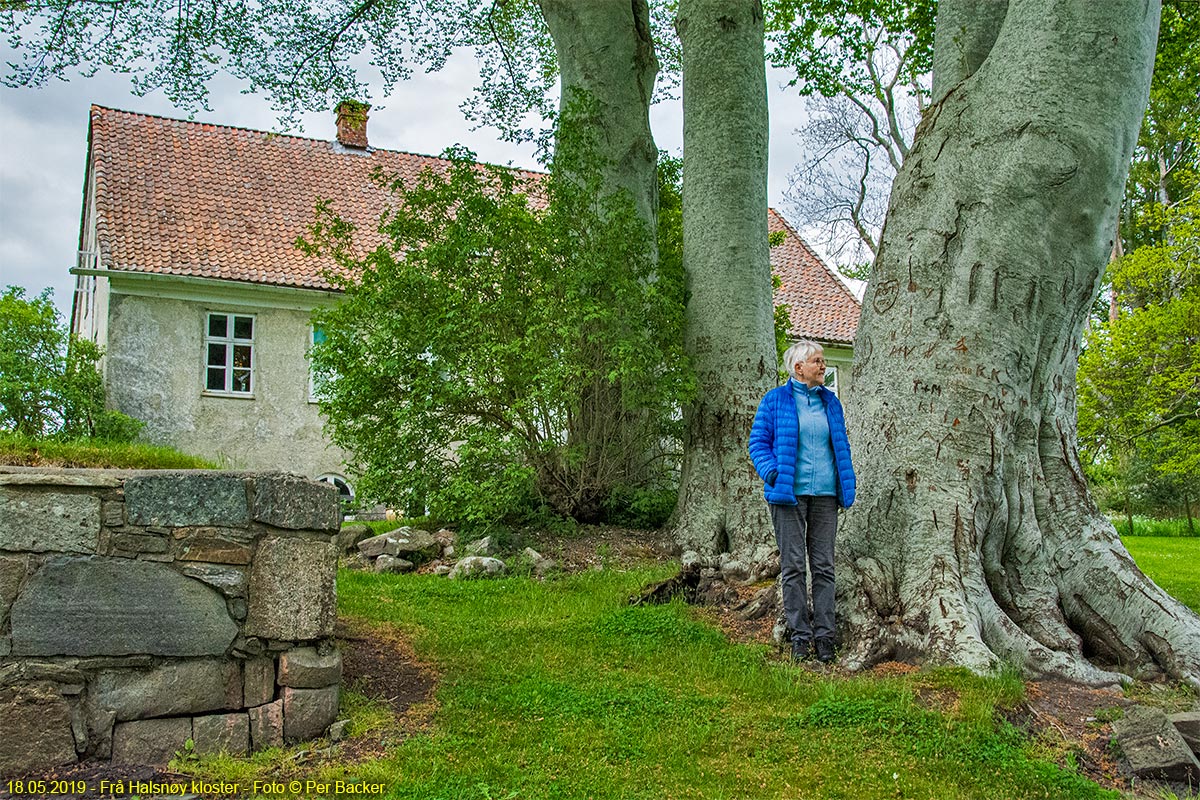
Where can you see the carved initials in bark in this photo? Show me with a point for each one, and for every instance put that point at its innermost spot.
(974, 540)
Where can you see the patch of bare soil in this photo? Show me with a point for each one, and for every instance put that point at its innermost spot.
(603, 546)
(379, 663)
(1076, 721)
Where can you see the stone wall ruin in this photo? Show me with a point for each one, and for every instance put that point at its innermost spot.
(139, 610)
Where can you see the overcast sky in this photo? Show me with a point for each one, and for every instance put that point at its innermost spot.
(43, 147)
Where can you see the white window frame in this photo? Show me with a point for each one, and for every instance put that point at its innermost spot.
(831, 378)
(337, 481)
(229, 341)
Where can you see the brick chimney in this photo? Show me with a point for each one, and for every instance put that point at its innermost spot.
(352, 124)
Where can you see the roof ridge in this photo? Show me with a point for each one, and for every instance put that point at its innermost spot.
(102, 108)
(835, 274)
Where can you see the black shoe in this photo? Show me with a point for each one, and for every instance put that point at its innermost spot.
(802, 649)
(824, 650)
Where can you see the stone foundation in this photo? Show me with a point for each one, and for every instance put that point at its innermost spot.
(139, 610)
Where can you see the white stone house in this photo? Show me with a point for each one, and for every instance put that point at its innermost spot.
(189, 277)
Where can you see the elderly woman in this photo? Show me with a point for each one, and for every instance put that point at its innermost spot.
(799, 447)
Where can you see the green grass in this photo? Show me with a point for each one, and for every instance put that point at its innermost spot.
(23, 451)
(561, 689)
(1149, 526)
(1171, 563)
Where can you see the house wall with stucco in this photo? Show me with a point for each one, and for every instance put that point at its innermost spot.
(155, 371)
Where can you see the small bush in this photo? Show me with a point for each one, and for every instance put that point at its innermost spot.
(113, 426)
(634, 507)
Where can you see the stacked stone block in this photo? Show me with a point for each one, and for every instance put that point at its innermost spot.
(139, 610)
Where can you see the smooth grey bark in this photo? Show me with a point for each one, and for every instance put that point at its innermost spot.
(963, 38)
(974, 540)
(605, 50)
(729, 333)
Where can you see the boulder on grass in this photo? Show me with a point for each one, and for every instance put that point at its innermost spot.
(407, 543)
(386, 563)
(351, 535)
(1154, 749)
(477, 567)
(481, 547)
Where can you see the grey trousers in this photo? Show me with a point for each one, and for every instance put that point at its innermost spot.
(805, 532)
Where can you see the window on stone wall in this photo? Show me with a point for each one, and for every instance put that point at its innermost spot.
(831, 378)
(229, 354)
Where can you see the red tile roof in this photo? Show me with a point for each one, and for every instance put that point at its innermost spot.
(187, 198)
(820, 306)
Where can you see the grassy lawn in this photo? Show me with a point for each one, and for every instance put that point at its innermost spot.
(561, 689)
(1170, 561)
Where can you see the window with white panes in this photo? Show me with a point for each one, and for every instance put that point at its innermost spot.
(229, 354)
(831, 378)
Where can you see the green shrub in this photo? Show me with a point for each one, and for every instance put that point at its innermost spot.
(542, 338)
(635, 507)
(113, 426)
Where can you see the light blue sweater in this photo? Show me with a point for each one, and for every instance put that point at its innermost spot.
(814, 456)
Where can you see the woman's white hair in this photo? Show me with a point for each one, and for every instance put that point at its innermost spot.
(798, 353)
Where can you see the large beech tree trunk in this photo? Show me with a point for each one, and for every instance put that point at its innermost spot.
(725, 253)
(974, 540)
(605, 51)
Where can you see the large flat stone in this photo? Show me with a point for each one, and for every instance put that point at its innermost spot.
(308, 712)
(82, 478)
(289, 501)
(35, 729)
(1153, 747)
(49, 522)
(266, 726)
(103, 607)
(150, 741)
(180, 687)
(173, 499)
(304, 668)
(221, 733)
(292, 594)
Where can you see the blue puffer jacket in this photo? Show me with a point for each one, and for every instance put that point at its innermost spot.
(775, 436)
